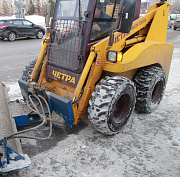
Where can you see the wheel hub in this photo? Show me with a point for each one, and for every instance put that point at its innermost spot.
(12, 36)
(121, 108)
(40, 34)
(157, 92)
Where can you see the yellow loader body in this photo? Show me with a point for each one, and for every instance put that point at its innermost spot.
(145, 45)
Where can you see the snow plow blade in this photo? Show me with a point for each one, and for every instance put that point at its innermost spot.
(60, 105)
(11, 155)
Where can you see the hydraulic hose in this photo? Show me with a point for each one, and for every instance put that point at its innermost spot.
(42, 115)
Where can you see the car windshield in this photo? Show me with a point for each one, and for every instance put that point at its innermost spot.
(70, 9)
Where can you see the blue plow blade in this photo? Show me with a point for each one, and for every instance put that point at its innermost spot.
(56, 103)
(10, 160)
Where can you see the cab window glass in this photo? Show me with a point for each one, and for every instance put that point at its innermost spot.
(68, 9)
(103, 10)
(104, 21)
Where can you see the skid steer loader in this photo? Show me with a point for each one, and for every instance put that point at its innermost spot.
(100, 57)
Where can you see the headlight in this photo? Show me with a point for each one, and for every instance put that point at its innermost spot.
(115, 56)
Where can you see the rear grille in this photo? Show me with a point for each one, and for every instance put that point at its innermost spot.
(64, 46)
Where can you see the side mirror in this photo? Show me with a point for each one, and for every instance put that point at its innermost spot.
(125, 15)
(48, 14)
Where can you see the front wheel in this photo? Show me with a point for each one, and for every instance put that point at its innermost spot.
(111, 104)
(39, 34)
(150, 85)
(12, 36)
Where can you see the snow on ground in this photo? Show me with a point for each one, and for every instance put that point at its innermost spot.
(149, 145)
(14, 91)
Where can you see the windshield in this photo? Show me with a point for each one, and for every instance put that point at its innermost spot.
(104, 21)
(70, 9)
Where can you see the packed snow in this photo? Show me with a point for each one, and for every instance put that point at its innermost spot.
(149, 145)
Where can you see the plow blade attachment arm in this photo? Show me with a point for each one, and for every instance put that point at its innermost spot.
(10, 160)
(11, 155)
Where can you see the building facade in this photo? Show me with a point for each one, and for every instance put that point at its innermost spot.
(11, 7)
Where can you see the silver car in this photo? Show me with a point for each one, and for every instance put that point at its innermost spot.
(177, 24)
(170, 23)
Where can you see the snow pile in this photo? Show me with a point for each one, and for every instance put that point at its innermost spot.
(38, 20)
(7, 17)
(14, 91)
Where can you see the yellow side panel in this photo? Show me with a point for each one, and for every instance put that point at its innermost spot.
(158, 29)
(144, 54)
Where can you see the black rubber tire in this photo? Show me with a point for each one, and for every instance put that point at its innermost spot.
(28, 70)
(175, 28)
(150, 86)
(39, 34)
(12, 36)
(112, 104)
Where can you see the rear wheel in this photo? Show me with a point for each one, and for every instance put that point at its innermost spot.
(150, 85)
(12, 36)
(175, 28)
(111, 104)
(39, 34)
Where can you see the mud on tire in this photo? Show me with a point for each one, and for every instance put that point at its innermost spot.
(150, 85)
(28, 70)
(111, 104)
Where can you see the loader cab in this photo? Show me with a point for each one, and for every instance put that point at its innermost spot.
(91, 13)
(77, 25)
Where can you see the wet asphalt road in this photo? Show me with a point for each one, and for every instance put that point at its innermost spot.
(15, 55)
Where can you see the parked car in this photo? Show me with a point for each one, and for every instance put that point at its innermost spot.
(170, 23)
(174, 16)
(177, 24)
(15, 28)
